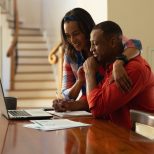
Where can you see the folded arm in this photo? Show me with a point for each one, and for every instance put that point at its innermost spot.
(132, 48)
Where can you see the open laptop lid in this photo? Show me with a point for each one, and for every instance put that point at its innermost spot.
(3, 109)
(33, 113)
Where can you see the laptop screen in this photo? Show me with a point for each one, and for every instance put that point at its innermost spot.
(3, 109)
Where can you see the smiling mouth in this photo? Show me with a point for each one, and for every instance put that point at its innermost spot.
(95, 55)
(75, 44)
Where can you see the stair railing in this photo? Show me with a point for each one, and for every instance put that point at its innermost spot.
(56, 57)
(12, 51)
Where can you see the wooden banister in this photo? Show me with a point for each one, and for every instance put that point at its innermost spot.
(13, 47)
(15, 38)
(56, 57)
(53, 58)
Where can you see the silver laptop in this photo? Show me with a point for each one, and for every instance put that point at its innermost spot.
(20, 114)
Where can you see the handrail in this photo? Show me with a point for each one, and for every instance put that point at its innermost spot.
(56, 56)
(53, 58)
(14, 42)
(12, 51)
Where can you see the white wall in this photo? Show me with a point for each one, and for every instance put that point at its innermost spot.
(136, 19)
(98, 9)
(30, 12)
(5, 61)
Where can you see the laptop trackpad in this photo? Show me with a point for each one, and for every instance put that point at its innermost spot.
(37, 112)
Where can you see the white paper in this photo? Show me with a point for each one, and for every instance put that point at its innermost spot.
(71, 113)
(54, 124)
(145, 130)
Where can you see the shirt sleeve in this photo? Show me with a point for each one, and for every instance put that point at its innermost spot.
(68, 77)
(131, 43)
(107, 98)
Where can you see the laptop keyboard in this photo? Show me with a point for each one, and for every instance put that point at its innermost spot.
(19, 113)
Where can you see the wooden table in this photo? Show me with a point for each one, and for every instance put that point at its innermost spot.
(103, 137)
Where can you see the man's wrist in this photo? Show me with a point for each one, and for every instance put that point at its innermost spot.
(118, 62)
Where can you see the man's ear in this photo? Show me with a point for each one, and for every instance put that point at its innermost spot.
(113, 42)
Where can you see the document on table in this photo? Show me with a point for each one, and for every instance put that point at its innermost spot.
(145, 130)
(54, 124)
(70, 113)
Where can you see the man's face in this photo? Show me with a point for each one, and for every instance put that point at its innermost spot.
(99, 46)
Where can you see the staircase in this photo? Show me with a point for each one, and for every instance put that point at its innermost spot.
(34, 81)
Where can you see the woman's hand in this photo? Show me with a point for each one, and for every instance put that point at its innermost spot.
(63, 105)
(120, 76)
(60, 105)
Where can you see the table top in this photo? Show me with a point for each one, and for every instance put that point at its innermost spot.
(102, 137)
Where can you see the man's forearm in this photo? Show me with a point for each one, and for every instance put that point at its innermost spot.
(78, 105)
(90, 82)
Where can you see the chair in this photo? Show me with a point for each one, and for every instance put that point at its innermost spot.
(141, 117)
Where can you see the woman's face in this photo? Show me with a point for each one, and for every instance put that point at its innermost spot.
(75, 36)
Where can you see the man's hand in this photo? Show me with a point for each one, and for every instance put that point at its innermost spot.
(90, 66)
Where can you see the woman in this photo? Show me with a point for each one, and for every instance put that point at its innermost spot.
(76, 26)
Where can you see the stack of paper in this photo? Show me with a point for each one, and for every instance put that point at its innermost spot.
(145, 130)
(54, 124)
(71, 113)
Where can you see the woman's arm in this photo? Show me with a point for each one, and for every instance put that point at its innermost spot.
(119, 75)
(75, 90)
(63, 105)
(68, 78)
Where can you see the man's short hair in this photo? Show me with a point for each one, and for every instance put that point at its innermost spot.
(109, 29)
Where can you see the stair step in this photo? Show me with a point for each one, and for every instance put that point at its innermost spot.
(22, 27)
(34, 69)
(4, 12)
(36, 49)
(30, 38)
(29, 32)
(11, 24)
(30, 42)
(43, 85)
(11, 21)
(32, 46)
(33, 53)
(37, 76)
(33, 60)
(29, 35)
(44, 102)
(33, 94)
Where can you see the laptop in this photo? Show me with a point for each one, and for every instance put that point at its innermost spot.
(21, 114)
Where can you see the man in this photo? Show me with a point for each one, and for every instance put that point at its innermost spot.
(106, 100)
